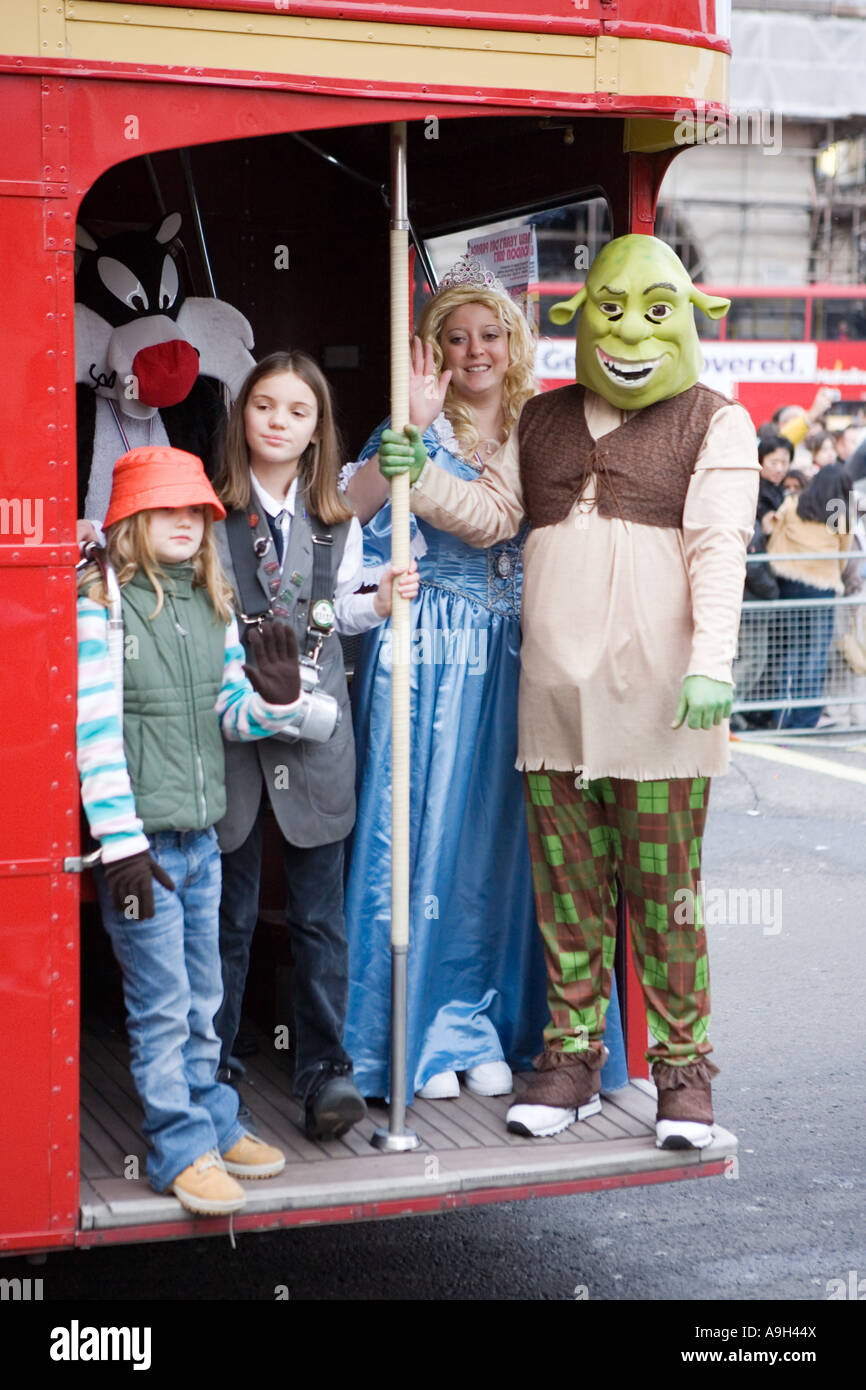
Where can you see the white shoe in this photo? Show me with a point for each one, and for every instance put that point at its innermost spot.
(489, 1079)
(682, 1134)
(443, 1086)
(539, 1121)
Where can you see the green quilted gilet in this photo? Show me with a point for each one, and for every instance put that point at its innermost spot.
(172, 674)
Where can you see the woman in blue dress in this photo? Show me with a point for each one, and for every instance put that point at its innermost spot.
(477, 987)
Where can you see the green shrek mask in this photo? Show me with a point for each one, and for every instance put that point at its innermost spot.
(636, 339)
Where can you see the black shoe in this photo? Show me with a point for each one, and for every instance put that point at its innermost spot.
(246, 1042)
(334, 1108)
(231, 1072)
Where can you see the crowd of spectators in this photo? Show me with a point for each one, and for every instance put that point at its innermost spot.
(807, 550)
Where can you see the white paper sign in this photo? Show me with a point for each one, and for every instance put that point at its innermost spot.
(554, 360)
(511, 255)
(724, 363)
(759, 362)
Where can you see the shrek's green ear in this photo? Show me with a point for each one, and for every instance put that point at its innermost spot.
(710, 304)
(565, 310)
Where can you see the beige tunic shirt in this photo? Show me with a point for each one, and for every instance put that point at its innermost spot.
(615, 615)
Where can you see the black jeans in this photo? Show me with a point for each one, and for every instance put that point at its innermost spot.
(317, 932)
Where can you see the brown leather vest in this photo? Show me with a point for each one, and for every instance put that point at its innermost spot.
(642, 468)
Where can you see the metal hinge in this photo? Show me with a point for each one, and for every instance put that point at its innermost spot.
(78, 863)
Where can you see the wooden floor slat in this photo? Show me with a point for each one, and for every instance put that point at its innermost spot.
(467, 1136)
(432, 1117)
(632, 1109)
(493, 1120)
(92, 1166)
(111, 1136)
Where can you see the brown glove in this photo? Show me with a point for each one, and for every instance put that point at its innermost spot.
(276, 675)
(130, 885)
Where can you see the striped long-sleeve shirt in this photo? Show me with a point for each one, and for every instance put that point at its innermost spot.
(106, 790)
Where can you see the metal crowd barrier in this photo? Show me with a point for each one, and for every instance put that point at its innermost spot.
(801, 662)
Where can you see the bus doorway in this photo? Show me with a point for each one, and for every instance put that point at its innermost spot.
(294, 236)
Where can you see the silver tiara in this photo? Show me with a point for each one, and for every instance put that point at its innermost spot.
(469, 270)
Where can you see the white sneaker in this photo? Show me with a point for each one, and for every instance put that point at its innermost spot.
(443, 1086)
(540, 1121)
(489, 1079)
(682, 1134)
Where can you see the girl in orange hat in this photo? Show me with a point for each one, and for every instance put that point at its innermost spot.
(150, 753)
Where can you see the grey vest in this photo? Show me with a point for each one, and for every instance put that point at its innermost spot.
(311, 786)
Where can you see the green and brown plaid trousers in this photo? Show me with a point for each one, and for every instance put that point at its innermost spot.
(580, 834)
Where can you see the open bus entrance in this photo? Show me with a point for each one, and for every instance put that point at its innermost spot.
(296, 236)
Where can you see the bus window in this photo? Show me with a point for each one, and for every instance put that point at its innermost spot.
(767, 319)
(839, 320)
(568, 238)
(707, 327)
(547, 298)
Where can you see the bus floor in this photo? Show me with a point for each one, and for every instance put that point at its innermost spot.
(466, 1155)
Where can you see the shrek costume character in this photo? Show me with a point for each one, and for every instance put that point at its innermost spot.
(639, 486)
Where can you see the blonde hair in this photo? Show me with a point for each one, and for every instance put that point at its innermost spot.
(320, 463)
(519, 383)
(129, 549)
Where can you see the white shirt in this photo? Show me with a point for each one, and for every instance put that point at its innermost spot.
(354, 612)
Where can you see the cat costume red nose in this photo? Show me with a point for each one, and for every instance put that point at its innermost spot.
(165, 372)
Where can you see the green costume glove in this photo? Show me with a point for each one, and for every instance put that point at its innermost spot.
(703, 702)
(400, 451)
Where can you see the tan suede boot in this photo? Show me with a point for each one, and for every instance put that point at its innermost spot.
(206, 1188)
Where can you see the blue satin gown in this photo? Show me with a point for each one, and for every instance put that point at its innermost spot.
(477, 984)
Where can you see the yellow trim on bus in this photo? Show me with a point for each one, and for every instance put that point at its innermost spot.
(348, 50)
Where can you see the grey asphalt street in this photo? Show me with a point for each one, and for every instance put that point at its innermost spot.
(788, 984)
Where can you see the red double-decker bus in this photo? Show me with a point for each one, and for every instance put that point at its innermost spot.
(267, 125)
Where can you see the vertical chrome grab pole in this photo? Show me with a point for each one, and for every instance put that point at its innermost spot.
(397, 1138)
(197, 222)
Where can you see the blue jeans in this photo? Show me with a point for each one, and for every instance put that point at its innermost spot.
(172, 986)
(317, 933)
(806, 636)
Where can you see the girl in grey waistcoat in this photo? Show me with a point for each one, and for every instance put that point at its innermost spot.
(278, 480)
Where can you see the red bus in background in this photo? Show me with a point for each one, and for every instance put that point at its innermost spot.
(775, 346)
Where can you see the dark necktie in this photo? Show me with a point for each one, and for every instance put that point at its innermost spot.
(274, 522)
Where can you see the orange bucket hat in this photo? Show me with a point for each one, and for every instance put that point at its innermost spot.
(159, 476)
